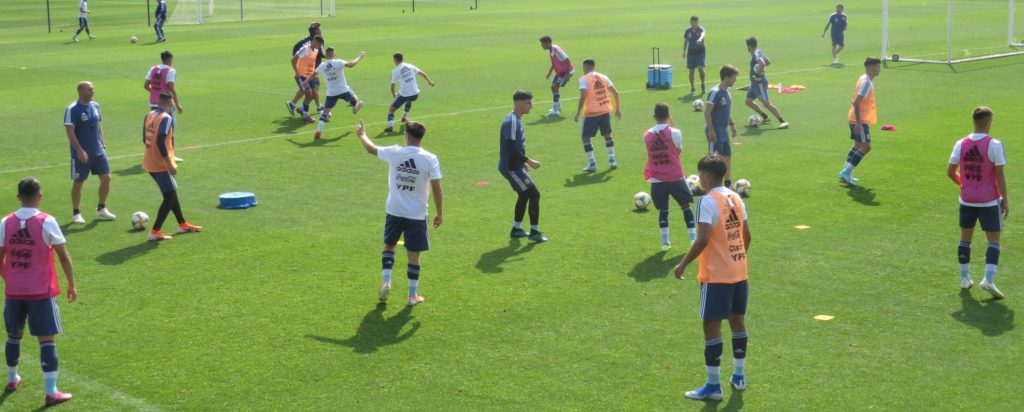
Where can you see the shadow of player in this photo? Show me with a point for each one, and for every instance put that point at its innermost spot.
(120, 256)
(990, 316)
(583, 178)
(862, 195)
(548, 120)
(288, 125)
(317, 142)
(71, 229)
(129, 171)
(375, 331)
(491, 262)
(655, 266)
(734, 404)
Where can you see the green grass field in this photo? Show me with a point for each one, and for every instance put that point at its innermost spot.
(275, 308)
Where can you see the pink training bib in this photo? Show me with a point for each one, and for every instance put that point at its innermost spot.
(28, 271)
(662, 157)
(977, 172)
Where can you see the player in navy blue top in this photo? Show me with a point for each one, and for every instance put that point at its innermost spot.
(88, 152)
(513, 164)
(693, 51)
(838, 23)
(161, 17)
(759, 63)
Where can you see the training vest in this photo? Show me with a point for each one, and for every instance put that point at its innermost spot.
(152, 160)
(597, 95)
(977, 172)
(724, 260)
(867, 105)
(307, 65)
(28, 271)
(561, 67)
(662, 157)
(157, 83)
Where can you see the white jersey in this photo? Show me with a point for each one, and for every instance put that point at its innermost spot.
(51, 230)
(82, 7)
(410, 170)
(405, 75)
(172, 74)
(707, 208)
(334, 72)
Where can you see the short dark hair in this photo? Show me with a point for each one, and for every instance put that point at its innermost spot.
(751, 41)
(588, 61)
(398, 56)
(28, 188)
(318, 38)
(694, 18)
(981, 114)
(545, 39)
(415, 129)
(166, 97)
(166, 55)
(329, 50)
(713, 164)
(313, 28)
(661, 111)
(521, 95)
(728, 70)
(872, 61)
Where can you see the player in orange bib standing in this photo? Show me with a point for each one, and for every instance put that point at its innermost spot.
(158, 160)
(595, 90)
(862, 115)
(723, 238)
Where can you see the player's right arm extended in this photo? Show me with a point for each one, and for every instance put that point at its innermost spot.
(355, 61)
(69, 271)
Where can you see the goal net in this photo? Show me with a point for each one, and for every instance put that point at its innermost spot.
(211, 11)
(951, 31)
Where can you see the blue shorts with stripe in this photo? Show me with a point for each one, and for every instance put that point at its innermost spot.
(333, 100)
(602, 123)
(164, 181)
(838, 39)
(991, 217)
(561, 79)
(97, 165)
(413, 230)
(406, 100)
(695, 60)
(82, 21)
(758, 90)
(519, 179)
(865, 135)
(720, 300)
(722, 146)
(306, 83)
(42, 315)
(678, 190)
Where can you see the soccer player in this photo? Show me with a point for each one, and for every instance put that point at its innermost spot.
(759, 63)
(83, 20)
(718, 124)
(693, 51)
(404, 75)
(413, 173)
(314, 30)
(838, 23)
(862, 114)
(158, 160)
(161, 17)
(596, 107)
(723, 238)
(980, 159)
(337, 86)
(88, 151)
(304, 63)
(161, 78)
(563, 69)
(664, 171)
(30, 237)
(514, 166)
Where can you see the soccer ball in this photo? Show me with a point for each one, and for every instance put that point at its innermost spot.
(134, 40)
(641, 200)
(139, 220)
(742, 187)
(693, 182)
(698, 105)
(753, 120)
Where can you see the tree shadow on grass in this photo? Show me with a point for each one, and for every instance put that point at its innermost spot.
(317, 142)
(990, 316)
(582, 179)
(655, 266)
(734, 404)
(129, 171)
(376, 331)
(492, 261)
(120, 256)
(862, 195)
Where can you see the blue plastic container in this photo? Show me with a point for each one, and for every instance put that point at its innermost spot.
(237, 200)
(659, 76)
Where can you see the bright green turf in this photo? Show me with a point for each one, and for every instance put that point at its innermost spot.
(274, 308)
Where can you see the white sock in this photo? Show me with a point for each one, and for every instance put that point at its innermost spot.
(990, 273)
(965, 271)
(590, 157)
(391, 123)
(693, 234)
(664, 235)
(611, 152)
(848, 168)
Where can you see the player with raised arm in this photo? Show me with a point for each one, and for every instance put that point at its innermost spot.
(694, 51)
(333, 70)
(404, 76)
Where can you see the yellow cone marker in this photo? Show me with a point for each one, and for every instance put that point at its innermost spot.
(802, 227)
(824, 317)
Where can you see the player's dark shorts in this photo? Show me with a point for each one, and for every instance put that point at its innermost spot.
(82, 21)
(592, 124)
(719, 300)
(837, 39)
(97, 165)
(42, 314)
(413, 230)
(660, 191)
(519, 179)
(991, 217)
(561, 79)
(865, 133)
(400, 100)
(305, 83)
(164, 181)
(347, 96)
(758, 90)
(721, 145)
(694, 60)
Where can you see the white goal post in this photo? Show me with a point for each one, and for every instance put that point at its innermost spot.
(1011, 42)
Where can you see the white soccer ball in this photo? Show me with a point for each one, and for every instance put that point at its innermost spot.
(742, 187)
(641, 200)
(698, 105)
(753, 120)
(134, 39)
(693, 182)
(139, 220)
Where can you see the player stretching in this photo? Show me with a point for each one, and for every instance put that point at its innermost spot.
(158, 160)
(30, 285)
(862, 114)
(161, 17)
(337, 86)
(982, 182)
(718, 124)
(723, 238)
(83, 20)
(759, 84)
(88, 151)
(304, 63)
(596, 107)
(664, 172)
(413, 173)
(514, 165)
(404, 75)
(563, 69)
(694, 52)
(838, 23)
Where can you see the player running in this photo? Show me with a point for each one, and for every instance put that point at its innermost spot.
(313, 83)
(759, 63)
(664, 171)
(837, 21)
(514, 166)
(304, 64)
(83, 20)
(88, 151)
(718, 124)
(981, 160)
(413, 173)
(337, 86)
(563, 69)
(862, 115)
(404, 75)
(694, 52)
(158, 160)
(596, 107)
(723, 238)
(161, 17)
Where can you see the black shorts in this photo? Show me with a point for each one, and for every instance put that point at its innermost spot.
(519, 179)
(592, 124)
(42, 314)
(413, 230)
(991, 217)
(679, 191)
(347, 96)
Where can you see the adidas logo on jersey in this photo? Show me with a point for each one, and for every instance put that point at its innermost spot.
(22, 237)
(658, 144)
(408, 166)
(733, 221)
(973, 155)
